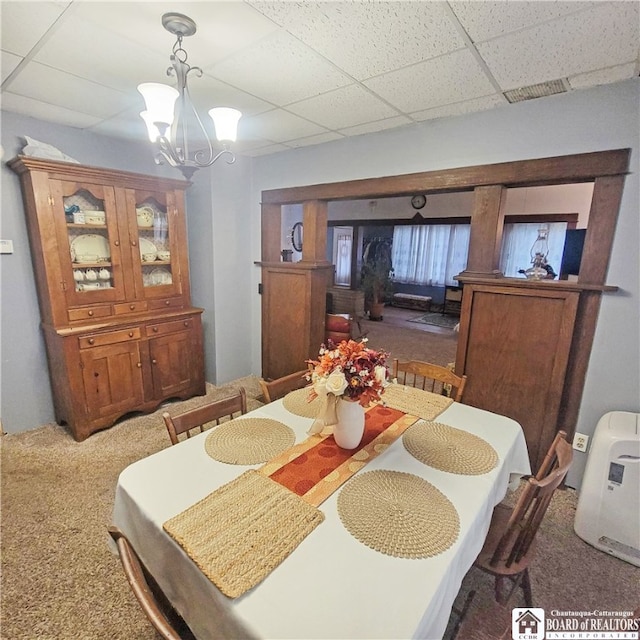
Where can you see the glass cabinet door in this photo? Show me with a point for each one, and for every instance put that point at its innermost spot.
(157, 246)
(87, 221)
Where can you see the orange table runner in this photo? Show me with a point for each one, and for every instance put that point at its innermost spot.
(315, 468)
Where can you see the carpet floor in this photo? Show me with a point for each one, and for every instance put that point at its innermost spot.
(61, 581)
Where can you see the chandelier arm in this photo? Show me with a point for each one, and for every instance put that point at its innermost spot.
(213, 158)
(168, 152)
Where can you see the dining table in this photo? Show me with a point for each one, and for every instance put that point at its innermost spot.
(375, 546)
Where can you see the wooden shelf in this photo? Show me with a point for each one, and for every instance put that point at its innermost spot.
(557, 285)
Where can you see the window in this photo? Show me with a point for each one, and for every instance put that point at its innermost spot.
(342, 244)
(430, 254)
(517, 239)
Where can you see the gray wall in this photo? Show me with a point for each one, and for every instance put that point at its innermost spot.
(591, 120)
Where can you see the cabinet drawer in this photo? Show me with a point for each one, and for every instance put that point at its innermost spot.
(87, 313)
(169, 327)
(166, 303)
(113, 337)
(129, 307)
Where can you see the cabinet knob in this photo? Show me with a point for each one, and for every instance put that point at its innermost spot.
(139, 365)
(131, 334)
(134, 243)
(186, 323)
(91, 341)
(90, 313)
(167, 302)
(117, 243)
(154, 362)
(155, 329)
(132, 307)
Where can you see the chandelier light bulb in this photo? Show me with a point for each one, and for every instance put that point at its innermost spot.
(160, 100)
(225, 121)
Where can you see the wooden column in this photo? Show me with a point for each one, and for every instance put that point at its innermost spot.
(314, 222)
(487, 222)
(271, 232)
(603, 215)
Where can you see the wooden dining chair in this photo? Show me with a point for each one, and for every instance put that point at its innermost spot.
(510, 544)
(199, 417)
(153, 602)
(430, 377)
(276, 389)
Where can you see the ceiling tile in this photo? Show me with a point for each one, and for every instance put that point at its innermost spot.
(604, 76)
(277, 126)
(47, 112)
(368, 38)
(451, 78)
(486, 20)
(460, 108)
(55, 87)
(379, 125)
(222, 27)
(78, 49)
(344, 107)
(9, 62)
(606, 35)
(22, 24)
(207, 92)
(281, 70)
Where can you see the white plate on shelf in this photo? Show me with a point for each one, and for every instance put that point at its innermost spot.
(145, 216)
(147, 248)
(160, 275)
(91, 244)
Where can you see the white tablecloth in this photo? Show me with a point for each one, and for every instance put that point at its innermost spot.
(331, 586)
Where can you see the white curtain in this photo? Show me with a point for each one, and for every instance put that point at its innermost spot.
(517, 240)
(343, 245)
(430, 254)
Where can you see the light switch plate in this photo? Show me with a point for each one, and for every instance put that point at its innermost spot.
(6, 246)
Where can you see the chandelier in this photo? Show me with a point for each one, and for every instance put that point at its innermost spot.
(170, 115)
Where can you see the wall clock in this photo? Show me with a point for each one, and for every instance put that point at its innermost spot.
(417, 202)
(296, 236)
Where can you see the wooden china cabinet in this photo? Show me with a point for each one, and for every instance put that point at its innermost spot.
(110, 256)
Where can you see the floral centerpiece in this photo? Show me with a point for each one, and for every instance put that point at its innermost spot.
(350, 372)
(349, 369)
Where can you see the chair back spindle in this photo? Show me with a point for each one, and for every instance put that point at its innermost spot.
(429, 377)
(200, 417)
(276, 389)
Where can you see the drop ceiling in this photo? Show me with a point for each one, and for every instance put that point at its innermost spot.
(305, 73)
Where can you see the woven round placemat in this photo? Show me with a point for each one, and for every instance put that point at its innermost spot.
(296, 402)
(398, 514)
(248, 440)
(449, 449)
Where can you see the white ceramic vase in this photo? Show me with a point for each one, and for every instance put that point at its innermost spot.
(349, 430)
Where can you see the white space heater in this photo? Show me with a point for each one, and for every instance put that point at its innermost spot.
(608, 512)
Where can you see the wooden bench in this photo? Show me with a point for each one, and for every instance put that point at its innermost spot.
(412, 301)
